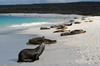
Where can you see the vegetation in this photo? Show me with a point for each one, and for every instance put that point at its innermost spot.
(83, 8)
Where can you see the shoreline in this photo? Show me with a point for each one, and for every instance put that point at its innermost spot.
(38, 15)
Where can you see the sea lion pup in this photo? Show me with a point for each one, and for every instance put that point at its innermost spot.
(35, 41)
(62, 30)
(48, 41)
(75, 17)
(54, 26)
(68, 24)
(71, 20)
(77, 22)
(31, 54)
(61, 27)
(44, 28)
(73, 32)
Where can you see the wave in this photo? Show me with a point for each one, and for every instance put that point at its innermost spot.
(33, 24)
(28, 24)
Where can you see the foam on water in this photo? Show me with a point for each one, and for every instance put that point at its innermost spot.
(28, 24)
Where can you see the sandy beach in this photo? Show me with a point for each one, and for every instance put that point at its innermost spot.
(72, 50)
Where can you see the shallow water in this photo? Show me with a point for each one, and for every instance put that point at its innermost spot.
(13, 21)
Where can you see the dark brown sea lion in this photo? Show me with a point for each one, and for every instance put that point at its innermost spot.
(48, 41)
(54, 26)
(61, 27)
(68, 24)
(37, 40)
(71, 20)
(77, 31)
(73, 32)
(31, 54)
(44, 28)
(75, 17)
(77, 22)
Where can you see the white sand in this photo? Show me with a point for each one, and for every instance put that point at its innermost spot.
(73, 50)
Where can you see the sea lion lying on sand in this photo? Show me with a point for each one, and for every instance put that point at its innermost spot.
(62, 30)
(71, 20)
(68, 24)
(75, 17)
(77, 22)
(44, 28)
(54, 26)
(61, 27)
(31, 54)
(37, 40)
(73, 32)
(48, 41)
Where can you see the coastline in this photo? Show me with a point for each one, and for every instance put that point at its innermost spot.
(79, 50)
(37, 15)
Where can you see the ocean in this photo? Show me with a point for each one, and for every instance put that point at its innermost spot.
(15, 21)
(11, 24)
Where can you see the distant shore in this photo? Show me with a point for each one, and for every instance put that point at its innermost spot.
(82, 8)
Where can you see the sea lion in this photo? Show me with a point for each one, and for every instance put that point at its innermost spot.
(44, 28)
(75, 17)
(79, 31)
(48, 41)
(31, 54)
(77, 22)
(68, 24)
(37, 40)
(71, 20)
(61, 27)
(62, 30)
(54, 26)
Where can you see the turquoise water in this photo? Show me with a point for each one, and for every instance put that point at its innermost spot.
(6, 21)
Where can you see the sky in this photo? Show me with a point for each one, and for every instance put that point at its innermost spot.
(7, 2)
